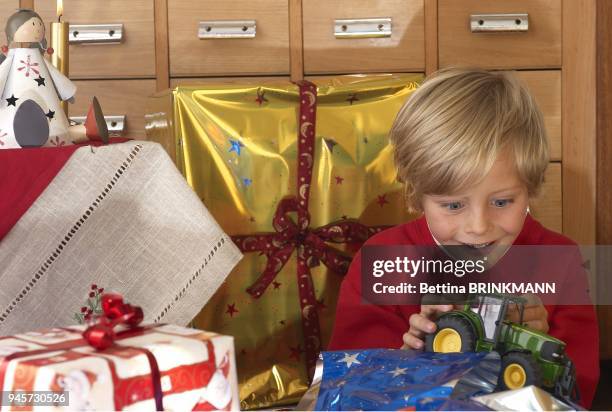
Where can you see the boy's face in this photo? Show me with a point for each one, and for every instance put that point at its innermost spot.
(487, 217)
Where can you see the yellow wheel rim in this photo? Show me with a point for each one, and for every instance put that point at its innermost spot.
(447, 340)
(515, 376)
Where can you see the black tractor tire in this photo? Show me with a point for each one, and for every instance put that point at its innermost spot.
(463, 328)
(526, 361)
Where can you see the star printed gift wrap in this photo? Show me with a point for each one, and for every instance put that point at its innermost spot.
(157, 367)
(300, 175)
(394, 379)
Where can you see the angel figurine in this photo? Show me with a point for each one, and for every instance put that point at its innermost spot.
(31, 90)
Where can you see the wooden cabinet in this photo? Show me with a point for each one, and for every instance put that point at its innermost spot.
(265, 53)
(133, 57)
(545, 86)
(537, 47)
(354, 36)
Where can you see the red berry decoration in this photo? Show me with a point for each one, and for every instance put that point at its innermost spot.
(4, 49)
(83, 309)
(50, 50)
(92, 294)
(94, 287)
(112, 305)
(101, 290)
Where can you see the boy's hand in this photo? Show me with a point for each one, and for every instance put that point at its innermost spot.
(422, 324)
(535, 315)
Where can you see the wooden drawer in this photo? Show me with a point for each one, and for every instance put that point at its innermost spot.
(133, 57)
(186, 81)
(545, 86)
(266, 53)
(117, 97)
(403, 51)
(7, 8)
(539, 47)
(548, 208)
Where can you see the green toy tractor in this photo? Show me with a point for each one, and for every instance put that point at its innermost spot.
(528, 357)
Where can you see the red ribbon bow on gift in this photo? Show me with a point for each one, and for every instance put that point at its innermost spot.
(310, 243)
(115, 312)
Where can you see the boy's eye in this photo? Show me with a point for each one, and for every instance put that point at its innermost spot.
(501, 202)
(452, 206)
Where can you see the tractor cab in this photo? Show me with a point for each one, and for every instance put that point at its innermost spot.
(492, 311)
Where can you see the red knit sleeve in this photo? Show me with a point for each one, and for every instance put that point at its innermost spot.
(362, 325)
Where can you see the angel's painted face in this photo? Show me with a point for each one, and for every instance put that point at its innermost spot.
(32, 31)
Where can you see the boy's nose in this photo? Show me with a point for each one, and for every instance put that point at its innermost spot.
(478, 223)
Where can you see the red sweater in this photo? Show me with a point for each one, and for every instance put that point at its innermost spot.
(360, 326)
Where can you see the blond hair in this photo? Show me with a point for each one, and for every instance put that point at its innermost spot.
(452, 128)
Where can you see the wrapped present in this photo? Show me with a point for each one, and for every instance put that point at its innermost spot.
(287, 170)
(154, 367)
(393, 379)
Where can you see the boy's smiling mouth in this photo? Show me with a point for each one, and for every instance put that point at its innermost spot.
(478, 245)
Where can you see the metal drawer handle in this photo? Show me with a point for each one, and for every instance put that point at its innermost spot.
(227, 29)
(362, 28)
(487, 23)
(115, 124)
(95, 33)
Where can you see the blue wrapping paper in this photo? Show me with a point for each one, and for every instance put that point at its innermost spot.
(389, 379)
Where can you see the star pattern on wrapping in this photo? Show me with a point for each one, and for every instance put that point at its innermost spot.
(398, 371)
(352, 98)
(349, 360)
(282, 322)
(247, 182)
(365, 140)
(276, 284)
(40, 81)
(12, 101)
(50, 114)
(231, 310)
(236, 146)
(382, 200)
(296, 352)
(339, 180)
(261, 98)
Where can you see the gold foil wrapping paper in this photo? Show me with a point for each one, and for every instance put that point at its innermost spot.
(237, 147)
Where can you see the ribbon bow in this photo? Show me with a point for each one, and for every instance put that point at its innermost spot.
(115, 312)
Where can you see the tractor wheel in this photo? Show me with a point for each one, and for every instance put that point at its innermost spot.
(519, 370)
(453, 334)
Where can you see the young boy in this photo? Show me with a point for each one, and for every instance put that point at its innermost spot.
(471, 150)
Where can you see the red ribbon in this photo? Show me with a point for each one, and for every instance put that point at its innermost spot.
(115, 312)
(311, 244)
(102, 335)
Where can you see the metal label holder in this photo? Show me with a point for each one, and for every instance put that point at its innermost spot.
(115, 124)
(95, 33)
(499, 23)
(362, 28)
(227, 29)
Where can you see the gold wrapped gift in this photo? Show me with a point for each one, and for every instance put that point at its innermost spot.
(237, 146)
